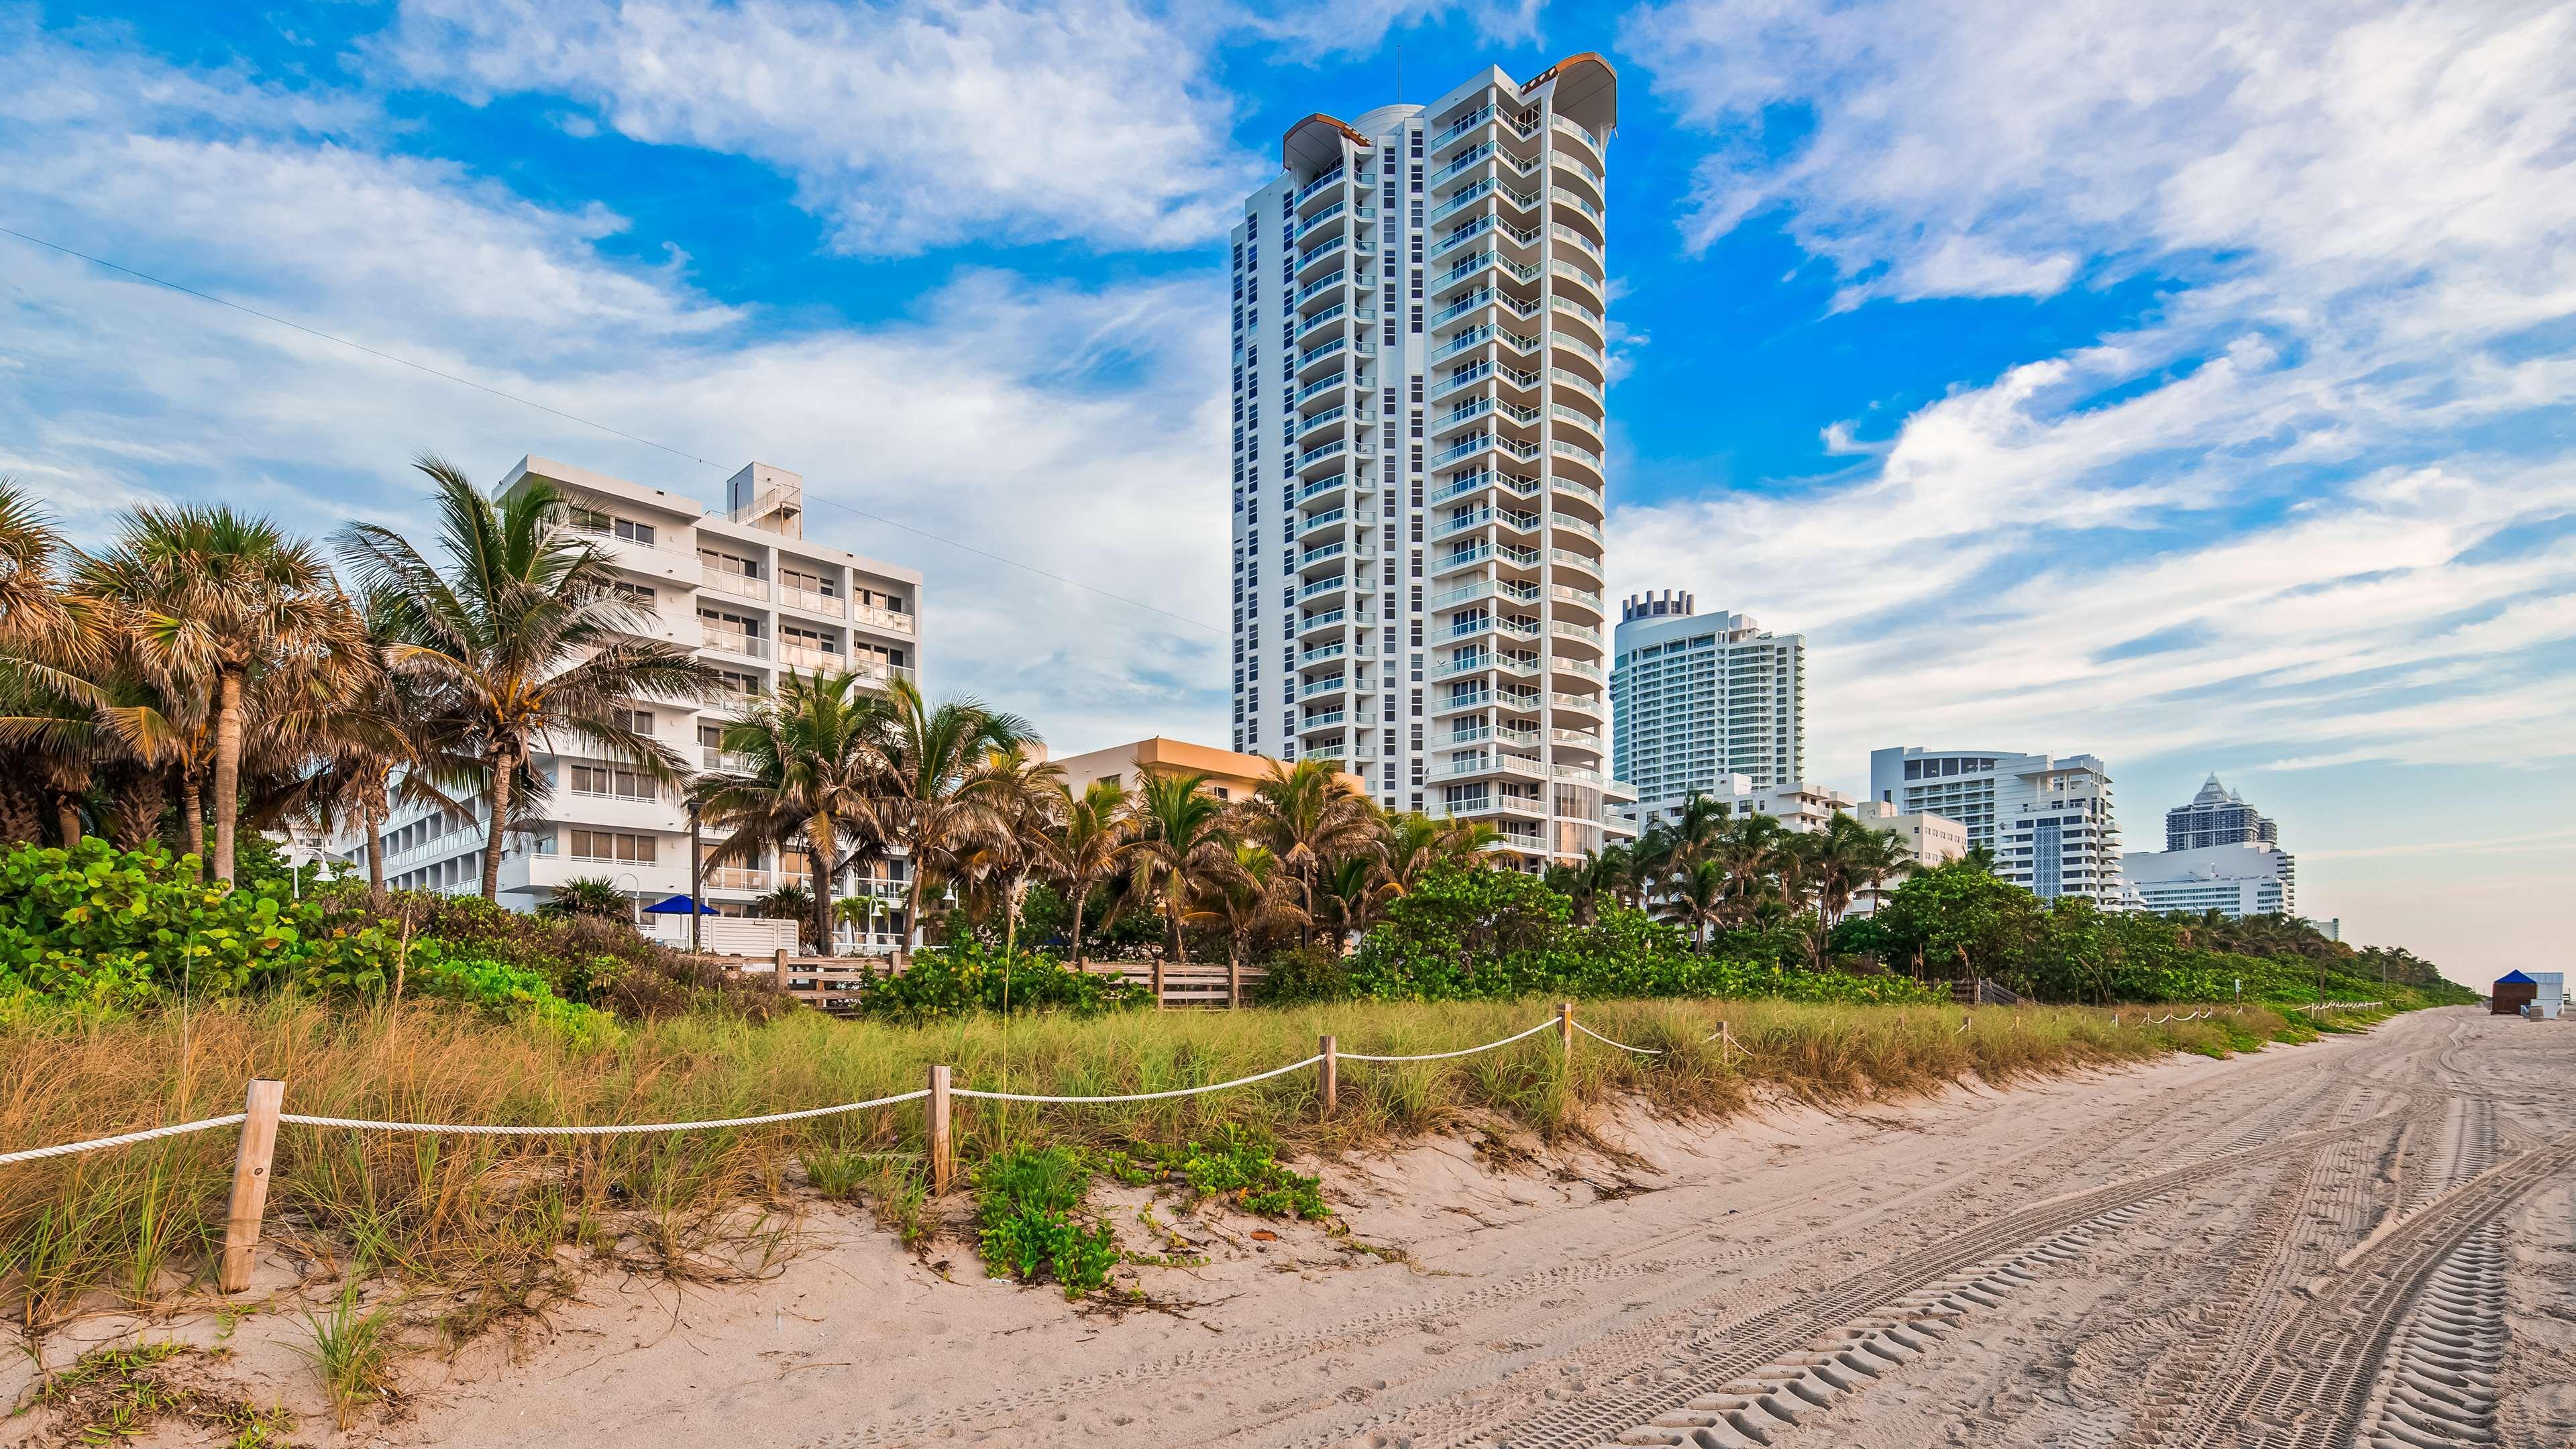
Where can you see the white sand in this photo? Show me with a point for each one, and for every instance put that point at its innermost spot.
(1537, 1302)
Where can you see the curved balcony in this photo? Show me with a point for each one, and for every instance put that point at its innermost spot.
(1567, 167)
(1466, 483)
(1470, 446)
(1493, 186)
(1489, 226)
(1309, 262)
(1336, 584)
(1322, 654)
(1478, 336)
(1333, 517)
(1563, 201)
(1583, 278)
(1318, 622)
(1567, 454)
(1330, 719)
(1473, 409)
(1321, 486)
(1581, 636)
(1581, 495)
(1567, 596)
(1568, 558)
(1323, 454)
(1321, 285)
(1480, 299)
(1596, 705)
(1566, 308)
(1566, 347)
(1561, 232)
(1567, 378)
(1576, 417)
(1339, 173)
(1489, 260)
(1310, 422)
(1338, 313)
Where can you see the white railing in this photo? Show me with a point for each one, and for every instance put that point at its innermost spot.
(900, 623)
(1319, 183)
(810, 601)
(737, 584)
(1339, 379)
(733, 641)
(1580, 454)
(1559, 193)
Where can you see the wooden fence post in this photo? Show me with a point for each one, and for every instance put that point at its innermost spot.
(942, 1163)
(778, 966)
(250, 1182)
(1233, 983)
(1565, 1028)
(1328, 1072)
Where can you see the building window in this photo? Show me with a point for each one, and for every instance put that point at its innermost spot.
(612, 845)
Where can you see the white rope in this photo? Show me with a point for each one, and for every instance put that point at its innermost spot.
(611, 1130)
(1621, 1045)
(94, 1144)
(1444, 1056)
(1141, 1096)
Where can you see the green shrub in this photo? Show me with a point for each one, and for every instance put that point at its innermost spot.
(957, 980)
(1239, 1166)
(1027, 1205)
(1310, 973)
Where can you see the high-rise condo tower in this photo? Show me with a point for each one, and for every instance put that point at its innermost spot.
(1419, 376)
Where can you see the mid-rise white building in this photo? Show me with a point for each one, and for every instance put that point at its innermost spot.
(2239, 879)
(1696, 699)
(2048, 819)
(1419, 417)
(1927, 840)
(755, 598)
(1800, 806)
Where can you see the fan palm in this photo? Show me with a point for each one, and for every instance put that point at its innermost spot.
(1179, 846)
(811, 775)
(1305, 817)
(523, 638)
(1354, 897)
(1256, 895)
(211, 603)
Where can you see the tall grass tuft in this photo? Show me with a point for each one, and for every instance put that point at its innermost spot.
(487, 1215)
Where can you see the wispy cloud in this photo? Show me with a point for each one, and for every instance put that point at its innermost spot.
(1060, 424)
(908, 125)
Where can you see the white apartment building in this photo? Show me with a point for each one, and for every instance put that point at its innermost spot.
(1698, 699)
(1927, 840)
(1418, 492)
(2048, 820)
(2238, 879)
(755, 598)
(1799, 805)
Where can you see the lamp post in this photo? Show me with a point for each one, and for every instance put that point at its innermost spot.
(634, 898)
(697, 875)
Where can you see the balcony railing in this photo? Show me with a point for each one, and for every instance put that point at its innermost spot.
(809, 658)
(1323, 586)
(1477, 336)
(735, 642)
(811, 602)
(1482, 297)
(1326, 720)
(729, 761)
(1560, 194)
(735, 878)
(1578, 347)
(1334, 685)
(737, 584)
(1339, 379)
(883, 618)
(1572, 524)
(1575, 451)
(1319, 183)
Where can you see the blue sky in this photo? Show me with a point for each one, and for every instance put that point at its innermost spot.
(2190, 387)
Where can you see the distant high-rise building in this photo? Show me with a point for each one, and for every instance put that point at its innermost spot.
(2048, 819)
(1418, 491)
(2216, 816)
(1698, 698)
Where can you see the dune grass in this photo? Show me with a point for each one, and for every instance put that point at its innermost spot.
(484, 1218)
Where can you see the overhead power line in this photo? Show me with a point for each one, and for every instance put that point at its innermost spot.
(528, 402)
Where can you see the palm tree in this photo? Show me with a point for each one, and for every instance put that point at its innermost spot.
(1180, 846)
(1410, 844)
(522, 639)
(1696, 897)
(1598, 873)
(1027, 794)
(938, 799)
(1091, 840)
(1749, 848)
(1354, 897)
(212, 603)
(1257, 894)
(1307, 818)
(811, 777)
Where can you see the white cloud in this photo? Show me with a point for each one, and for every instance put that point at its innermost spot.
(2304, 525)
(907, 125)
(1062, 425)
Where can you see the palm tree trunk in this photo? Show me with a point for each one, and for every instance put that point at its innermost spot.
(228, 749)
(817, 866)
(505, 768)
(67, 819)
(1081, 898)
(375, 854)
(192, 814)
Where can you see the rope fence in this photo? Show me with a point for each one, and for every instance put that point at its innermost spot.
(261, 1116)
